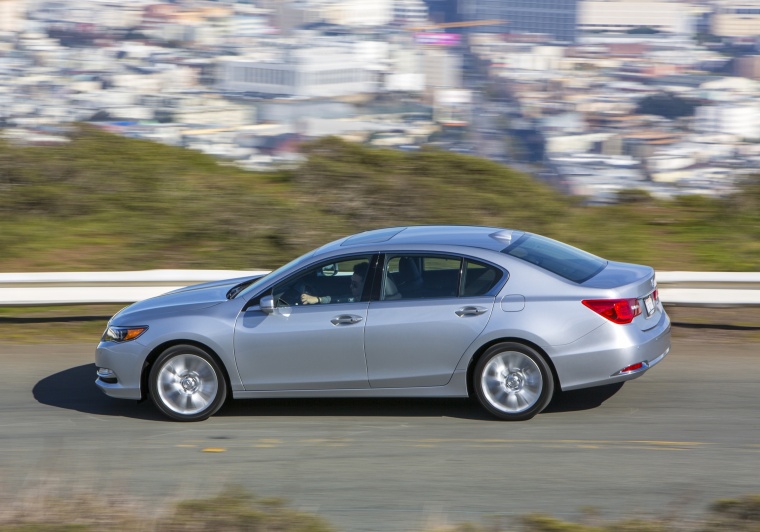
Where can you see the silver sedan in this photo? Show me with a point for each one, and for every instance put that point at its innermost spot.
(430, 311)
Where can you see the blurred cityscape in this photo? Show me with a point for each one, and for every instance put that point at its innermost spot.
(593, 96)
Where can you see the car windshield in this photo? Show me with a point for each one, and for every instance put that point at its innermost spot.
(566, 261)
(259, 282)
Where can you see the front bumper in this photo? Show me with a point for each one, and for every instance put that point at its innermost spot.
(124, 363)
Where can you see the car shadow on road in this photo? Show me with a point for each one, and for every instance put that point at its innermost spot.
(74, 389)
(407, 407)
(356, 407)
(586, 399)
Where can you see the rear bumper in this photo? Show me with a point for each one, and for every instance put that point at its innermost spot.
(610, 354)
(640, 367)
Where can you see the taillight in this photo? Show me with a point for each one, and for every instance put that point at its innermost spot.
(620, 311)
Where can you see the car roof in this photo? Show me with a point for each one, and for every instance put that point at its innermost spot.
(492, 238)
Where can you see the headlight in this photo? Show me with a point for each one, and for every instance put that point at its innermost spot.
(123, 334)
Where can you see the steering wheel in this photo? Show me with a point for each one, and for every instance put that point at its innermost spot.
(293, 293)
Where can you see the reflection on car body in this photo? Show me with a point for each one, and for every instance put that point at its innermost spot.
(430, 311)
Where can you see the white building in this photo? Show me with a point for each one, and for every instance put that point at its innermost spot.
(12, 15)
(353, 13)
(357, 13)
(316, 72)
(742, 120)
(442, 68)
(98, 13)
(542, 58)
(410, 12)
(624, 15)
(405, 68)
(736, 19)
(730, 88)
(250, 25)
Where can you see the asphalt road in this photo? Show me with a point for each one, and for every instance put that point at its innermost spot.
(683, 435)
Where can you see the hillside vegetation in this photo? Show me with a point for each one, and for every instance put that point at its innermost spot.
(235, 509)
(104, 202)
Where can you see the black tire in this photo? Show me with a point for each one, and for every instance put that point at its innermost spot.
(187, 384)
(513, 381)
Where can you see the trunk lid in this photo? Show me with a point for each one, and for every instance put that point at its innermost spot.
(632, 281)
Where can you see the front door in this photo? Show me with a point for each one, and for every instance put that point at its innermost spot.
(314, 340)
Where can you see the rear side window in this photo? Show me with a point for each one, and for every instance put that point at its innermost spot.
(479, 278)
(419, 276)
(566, 261)
(437, 276)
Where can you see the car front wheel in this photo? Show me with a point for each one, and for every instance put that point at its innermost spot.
(513, 381)
(187, 384)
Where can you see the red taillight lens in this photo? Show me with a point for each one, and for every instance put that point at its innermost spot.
(620, 311)
(632, 367)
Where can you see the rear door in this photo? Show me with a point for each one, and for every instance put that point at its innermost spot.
(427, 317)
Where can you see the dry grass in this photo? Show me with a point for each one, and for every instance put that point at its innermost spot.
(65, 324)
(237, 510)
(724, 325)
(735, 515)
(233, 510)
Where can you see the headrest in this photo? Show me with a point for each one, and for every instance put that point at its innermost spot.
(390, 290)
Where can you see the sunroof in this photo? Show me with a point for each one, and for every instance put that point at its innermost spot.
(373, 237)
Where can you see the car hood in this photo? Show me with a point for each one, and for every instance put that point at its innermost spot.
(203, 287)
(183, 299)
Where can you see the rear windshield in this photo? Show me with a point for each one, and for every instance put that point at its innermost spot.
(566, 261)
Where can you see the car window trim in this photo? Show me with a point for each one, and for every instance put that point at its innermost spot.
(385, 256)
(373, 257)
(499, 283)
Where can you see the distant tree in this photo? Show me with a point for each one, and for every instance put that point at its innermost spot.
(703, 37)
(101, 116)
(496, 91)
(643, 30)
(666, 105)
(633, 195)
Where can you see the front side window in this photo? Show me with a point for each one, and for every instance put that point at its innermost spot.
(337, 281)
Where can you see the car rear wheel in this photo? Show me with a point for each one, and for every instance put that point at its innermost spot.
(187, 384)
(513, 381)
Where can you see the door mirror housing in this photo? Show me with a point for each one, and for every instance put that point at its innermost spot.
(330, 270)
(267, 304)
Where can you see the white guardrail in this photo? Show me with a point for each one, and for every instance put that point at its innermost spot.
(719, 289)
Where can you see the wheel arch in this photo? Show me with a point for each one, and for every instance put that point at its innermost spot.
(485, 347)
(156, 352)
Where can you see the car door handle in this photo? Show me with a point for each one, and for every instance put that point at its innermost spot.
(346, 319)
(471, 311)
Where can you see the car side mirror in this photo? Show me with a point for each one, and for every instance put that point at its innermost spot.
(330, 270)
(267, 304)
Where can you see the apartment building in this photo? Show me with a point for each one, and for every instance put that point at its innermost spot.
(556, 18)
(625, 15)
(302, 71)
(12, 15)
(736, 19)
